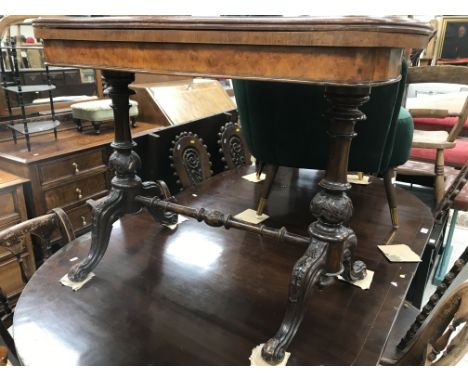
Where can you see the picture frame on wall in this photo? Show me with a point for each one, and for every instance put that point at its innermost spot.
(453, 41)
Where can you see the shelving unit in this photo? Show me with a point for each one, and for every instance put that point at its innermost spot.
(27, 125)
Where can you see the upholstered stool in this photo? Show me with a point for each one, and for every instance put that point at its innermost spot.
(98, 112)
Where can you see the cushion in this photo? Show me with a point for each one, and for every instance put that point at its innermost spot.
(452, 103)
(100, 110)
(424, 136)
(456, 156)
(437, 123)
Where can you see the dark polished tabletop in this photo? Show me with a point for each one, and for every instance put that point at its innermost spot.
(206, 296)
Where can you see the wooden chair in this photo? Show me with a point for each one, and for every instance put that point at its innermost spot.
(190, 160)
(432, 329)
(43, 227)
(437, 251)
(438, 106)
(233, 148)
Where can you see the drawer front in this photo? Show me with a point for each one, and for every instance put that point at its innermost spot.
(75, 191)
(10, 275)
(7, 204)
(71, 166)
(80, 217)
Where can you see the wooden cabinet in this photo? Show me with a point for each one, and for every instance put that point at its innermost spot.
(13, 211)
(66, 181)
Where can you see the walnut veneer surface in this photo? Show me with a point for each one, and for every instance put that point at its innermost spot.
(352, 50)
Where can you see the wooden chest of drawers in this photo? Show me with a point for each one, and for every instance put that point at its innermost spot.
(13, 211)
(65, 181)
(68, 182)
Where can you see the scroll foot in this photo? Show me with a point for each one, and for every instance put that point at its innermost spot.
(353, 271)
(105, 212)
(306, 273)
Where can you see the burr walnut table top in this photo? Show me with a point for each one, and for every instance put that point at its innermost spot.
(345, 50)
(206, 296)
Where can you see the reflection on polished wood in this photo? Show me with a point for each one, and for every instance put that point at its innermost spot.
(207, 296)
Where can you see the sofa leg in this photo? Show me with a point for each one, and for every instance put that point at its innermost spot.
(259, 165)
(270, 172)
(391, 198)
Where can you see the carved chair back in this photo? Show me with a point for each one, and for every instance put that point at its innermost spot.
(233, 147)
(441, 327)
(190, 160)
(11, 239)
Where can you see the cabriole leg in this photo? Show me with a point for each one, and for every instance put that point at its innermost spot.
(125, 185)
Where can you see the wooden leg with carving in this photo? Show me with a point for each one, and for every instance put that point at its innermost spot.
(352, 270)
(105, 212)
(330, 252)
(125, 185)
(306, 273)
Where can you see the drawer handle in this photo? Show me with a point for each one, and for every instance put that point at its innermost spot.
(77, 170)
(78, 193)
(83, 221)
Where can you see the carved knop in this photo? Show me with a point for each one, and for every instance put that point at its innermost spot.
(331, 208)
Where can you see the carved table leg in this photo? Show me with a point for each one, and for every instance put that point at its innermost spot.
(305, 274)
(125, 185)
(332, 243)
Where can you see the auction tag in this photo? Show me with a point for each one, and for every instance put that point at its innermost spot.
(250, 216)
(399, 253)
(253, 177)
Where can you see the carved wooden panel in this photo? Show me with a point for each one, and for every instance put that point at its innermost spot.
(190, 159)
(233, 147)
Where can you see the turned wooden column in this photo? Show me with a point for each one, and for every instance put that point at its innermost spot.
(332, 243)
(125, 184)
(331, 205)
